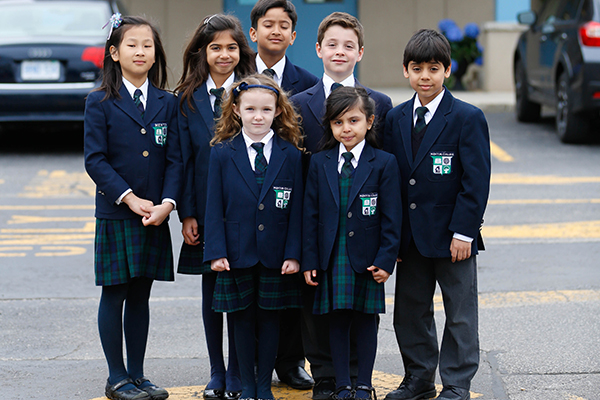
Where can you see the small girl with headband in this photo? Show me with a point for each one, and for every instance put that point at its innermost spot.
(253, 222)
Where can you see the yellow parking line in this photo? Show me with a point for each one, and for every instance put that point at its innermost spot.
(519, 179)
(47, 207)
(544, 201)
(499, 153)
(566, 230)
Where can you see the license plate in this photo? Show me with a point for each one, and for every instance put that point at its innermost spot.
(40, 70)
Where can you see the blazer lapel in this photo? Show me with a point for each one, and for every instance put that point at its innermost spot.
(435, 127)
(154, 103)
(275, 163)
(202, 104)
(331, 171)
(126, 104)
(406, 125)
(316, 104)
(290, 76)
(362, 172)
(242, 162)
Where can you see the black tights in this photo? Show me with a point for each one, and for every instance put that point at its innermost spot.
(134, 323)
(366, 337)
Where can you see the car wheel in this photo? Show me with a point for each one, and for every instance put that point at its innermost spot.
(526, 110)
(571, 127)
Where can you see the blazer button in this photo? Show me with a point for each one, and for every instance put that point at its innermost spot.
(413, 206)
(351, 233)
(261, 227)
(412, 182)
(261, 206)
(143, 131)
(349, 214)
(145, 153)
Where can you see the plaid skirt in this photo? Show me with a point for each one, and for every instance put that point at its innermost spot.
(126, 249)
(238, 288)
(190, 259)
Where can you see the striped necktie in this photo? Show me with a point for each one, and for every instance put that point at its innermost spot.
(138, 102)
(420, 125)
(260, 161)
(270, 72)
(218, 93)
(347, 168)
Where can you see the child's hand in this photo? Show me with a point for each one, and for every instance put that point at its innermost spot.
(220, 264)
(137, 204)
(157, 213)
(380, 275)
(309, 277)
(460, 250)
(290, 266)
(189, 230)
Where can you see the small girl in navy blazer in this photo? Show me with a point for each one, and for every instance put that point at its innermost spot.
(216, 56)
(132, 153)
(351, 233)
(253, 222)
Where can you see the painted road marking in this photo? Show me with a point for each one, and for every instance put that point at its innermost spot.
(29, 219)
(59, 183)
(22, 240)
(48, 207)
(565, 230)
(499, 153)
(544, 201)
(519, 179)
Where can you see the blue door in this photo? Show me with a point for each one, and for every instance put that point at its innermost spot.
(310, 15)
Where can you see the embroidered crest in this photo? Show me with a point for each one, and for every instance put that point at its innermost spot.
(282, 196)
(369, 203)
(160, 133)
(442, 163)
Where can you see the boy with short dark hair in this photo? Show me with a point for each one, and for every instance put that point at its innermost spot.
(274, 30)
(340, 45)
(443, 150)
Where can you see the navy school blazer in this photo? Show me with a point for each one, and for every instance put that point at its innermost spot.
(296, 79)
(372, 230)
(445, 188)
(122, 150)
(247, 225)
(196, 129)
(311, 106)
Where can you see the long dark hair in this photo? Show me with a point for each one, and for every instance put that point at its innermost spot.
(341, 100)
(195, 64)
(112, 76)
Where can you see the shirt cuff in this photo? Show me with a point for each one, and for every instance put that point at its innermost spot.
(462, 237)
(125, 193)
(167, 200)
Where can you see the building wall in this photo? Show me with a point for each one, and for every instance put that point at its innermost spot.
(388, 26)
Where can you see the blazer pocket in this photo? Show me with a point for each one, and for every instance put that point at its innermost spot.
(283, 192)
(232, 236)
(441, 162)
(159, 133)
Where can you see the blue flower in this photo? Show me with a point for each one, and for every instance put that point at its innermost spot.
(446, 24)
(454, 66)
(454, 34)
(471, 30)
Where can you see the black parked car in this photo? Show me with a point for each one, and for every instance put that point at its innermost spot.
(51, 53)
(557, 64)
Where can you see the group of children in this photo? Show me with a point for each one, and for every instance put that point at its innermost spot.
(276, 175)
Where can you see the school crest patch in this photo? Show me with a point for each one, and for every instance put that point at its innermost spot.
(282, 196)
(442, 163)
(369, 203)
(160, 133)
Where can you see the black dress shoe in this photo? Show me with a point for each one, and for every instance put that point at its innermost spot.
(111, 391)
(368, 389)
(213, 394)
(454, 393)
(155, 392)
(412, 388)
(231, 395)
(297, 378)
(323, 389)
(348, 396)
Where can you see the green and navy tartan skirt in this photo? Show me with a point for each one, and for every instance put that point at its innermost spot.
(126, 249)
(340, 287)
(190, 259)
(238, 288)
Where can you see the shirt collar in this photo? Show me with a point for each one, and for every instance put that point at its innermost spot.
(266, 139)
(356, 152)
(210, 84)
(278, 67)
(432, 106)
(131, 88)
(328, 81)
